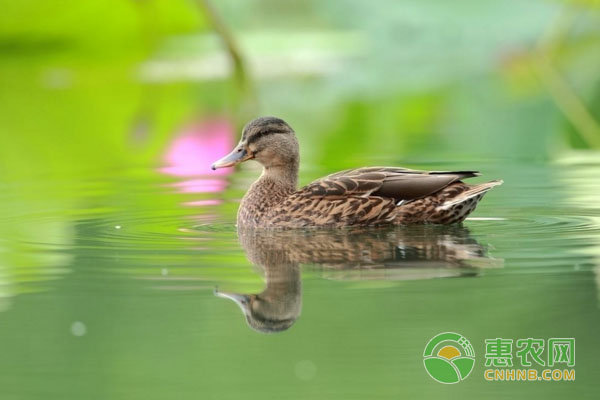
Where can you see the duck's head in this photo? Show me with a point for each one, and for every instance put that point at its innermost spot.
(268, 140)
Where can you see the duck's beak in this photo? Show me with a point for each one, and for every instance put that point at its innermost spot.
(238, 155)
(241, 300)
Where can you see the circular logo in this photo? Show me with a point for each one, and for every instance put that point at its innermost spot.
(449, 357)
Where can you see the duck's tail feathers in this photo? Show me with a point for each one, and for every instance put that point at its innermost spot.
(475, 192)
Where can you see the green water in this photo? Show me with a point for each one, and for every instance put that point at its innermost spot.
(102, 297)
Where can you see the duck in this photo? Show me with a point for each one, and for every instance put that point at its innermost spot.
(366, 196)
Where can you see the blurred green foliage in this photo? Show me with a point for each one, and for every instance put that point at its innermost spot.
(456, 78)
(94, 28)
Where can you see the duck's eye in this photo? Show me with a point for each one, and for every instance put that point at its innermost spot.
(239, 150)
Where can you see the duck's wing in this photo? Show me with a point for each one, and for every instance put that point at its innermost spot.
(364, 196)
(388, 182)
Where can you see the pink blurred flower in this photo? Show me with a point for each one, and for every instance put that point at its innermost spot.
(194, 150)
(197, 147)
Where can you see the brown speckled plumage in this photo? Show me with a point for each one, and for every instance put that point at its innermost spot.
(362, 196)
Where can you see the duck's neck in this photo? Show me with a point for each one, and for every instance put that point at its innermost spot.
(273, 186)
(285, 176)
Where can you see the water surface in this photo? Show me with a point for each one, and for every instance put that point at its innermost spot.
(105, 296)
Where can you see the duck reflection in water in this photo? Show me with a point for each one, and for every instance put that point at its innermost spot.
(402, 253)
